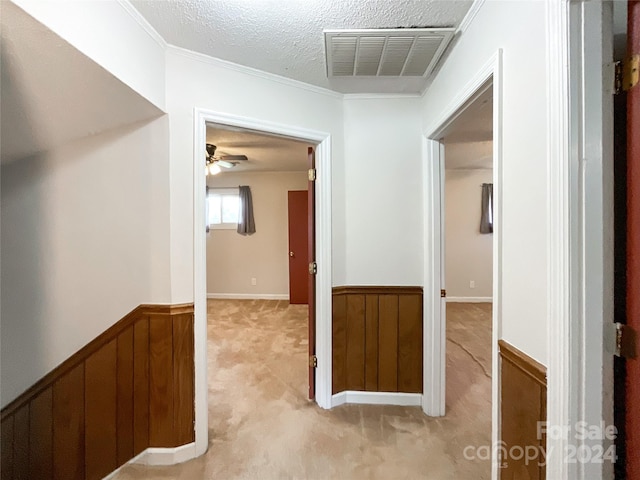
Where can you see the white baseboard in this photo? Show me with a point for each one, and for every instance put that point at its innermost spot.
(248, 296)
(469, 299)
(166, 456)
(160, 456)
(377, 398)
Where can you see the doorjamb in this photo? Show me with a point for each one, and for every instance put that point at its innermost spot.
(580, 231)
(323, 256)
(434, 361)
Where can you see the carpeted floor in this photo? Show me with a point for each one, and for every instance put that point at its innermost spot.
(263, 427)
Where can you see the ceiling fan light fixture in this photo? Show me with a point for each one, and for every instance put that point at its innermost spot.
(214, 169)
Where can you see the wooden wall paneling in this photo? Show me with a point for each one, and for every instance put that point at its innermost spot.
(388, 343)
(522, 406)
(371, 343)
(101, 399)
(141, 385)
(355, 342)
(183, 379)
(6, 448)
(339, 343)
(410, 343)
(21, 443)
(124, 409)
(41, 436)
(129, 389)
(68, 425)
(160, 381)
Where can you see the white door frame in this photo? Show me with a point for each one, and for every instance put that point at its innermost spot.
(323, 255)
(434, 365)
(580, 228)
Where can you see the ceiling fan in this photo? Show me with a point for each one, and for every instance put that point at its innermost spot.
(226, 161)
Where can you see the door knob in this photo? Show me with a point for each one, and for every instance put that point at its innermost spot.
(291, 254)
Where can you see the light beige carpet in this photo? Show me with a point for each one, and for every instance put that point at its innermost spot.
(263, 427)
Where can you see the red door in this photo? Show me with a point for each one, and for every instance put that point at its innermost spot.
(311, 276)
(632, 404)
(298, 247)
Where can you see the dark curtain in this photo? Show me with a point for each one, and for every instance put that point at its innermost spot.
(246, 222)
(486, 219)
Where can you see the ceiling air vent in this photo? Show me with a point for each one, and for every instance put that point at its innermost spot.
(398, 52)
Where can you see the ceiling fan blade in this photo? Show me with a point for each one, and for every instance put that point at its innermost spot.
(230, 158)
(225, 164)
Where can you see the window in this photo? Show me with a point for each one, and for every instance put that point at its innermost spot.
(223, 206)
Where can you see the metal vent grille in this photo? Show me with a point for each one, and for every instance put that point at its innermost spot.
(404, 52)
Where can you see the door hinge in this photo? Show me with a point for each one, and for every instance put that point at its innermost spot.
(443, 293)
(312, 174)
(627, 74)
(625, 341)
(313, 361)
(313, 268)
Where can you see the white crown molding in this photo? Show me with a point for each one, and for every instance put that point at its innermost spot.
(377, 398)
(140, 20)
(248, 296)
(380, 96)
(471, 14)
(272, 77)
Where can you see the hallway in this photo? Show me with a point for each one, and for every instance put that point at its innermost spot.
(262, 426)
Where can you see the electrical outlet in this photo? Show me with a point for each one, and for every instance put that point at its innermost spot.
(254, 281)
(472, 284)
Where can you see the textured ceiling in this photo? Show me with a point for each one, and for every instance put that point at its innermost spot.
(264, 152)
(285, 37)
(51, 93)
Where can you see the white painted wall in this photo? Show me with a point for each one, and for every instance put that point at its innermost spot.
(111, 36)
(197, 81)
(383, 188)
(468, 253)
(84, 241)
(233, 259)
(519, 29)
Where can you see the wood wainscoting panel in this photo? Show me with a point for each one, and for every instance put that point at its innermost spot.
(141, 385)
(68, 425)
(387, 343)
(377, 339)
(371, 343)
(355, 342)
(409, 343)
(160, 381)
(41, 436)
(183, 380)
(21, 443)
(523, 404)
(96, 410)
(6, 444)
(101, 417)
(124, 426)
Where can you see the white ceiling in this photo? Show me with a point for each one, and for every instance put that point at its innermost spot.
(264, 152)
(468, 140)
(51, 93)
(285, 37)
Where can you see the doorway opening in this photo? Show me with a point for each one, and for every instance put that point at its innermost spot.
(481, 99)
(254, 274)
(467, 264)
